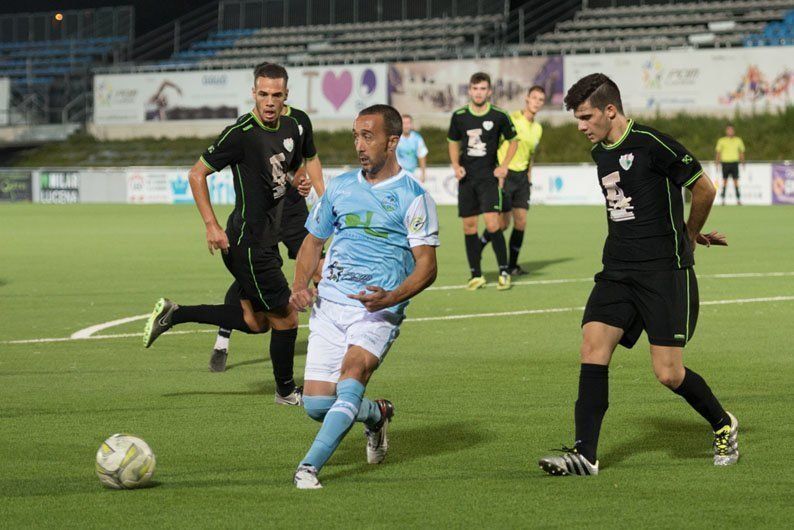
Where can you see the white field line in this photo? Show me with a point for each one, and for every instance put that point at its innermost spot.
(420, 319)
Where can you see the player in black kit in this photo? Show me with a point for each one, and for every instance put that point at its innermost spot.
(648, 282)
(294, 213)
(479, 127)
(263, 149)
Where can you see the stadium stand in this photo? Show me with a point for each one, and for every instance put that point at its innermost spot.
(662, 26)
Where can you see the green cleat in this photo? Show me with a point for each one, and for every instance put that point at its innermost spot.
(159, 322)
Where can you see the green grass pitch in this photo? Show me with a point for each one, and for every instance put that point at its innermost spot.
(478, 400)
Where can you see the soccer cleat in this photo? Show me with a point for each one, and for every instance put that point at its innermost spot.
(377, 437)
(569, 463)
(518, 271)
(305, 478)
(294, 398)
(726, 444)
(159, 322)
(218, 360)
(475, 283)
(504, 282)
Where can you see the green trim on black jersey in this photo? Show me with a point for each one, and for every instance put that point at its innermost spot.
(672, 222)
(233, 128)
(623, 137)
(253, 276)
(289, 110)
(209, 166)
(486, 111)
(693, 179)
(688, 305)
(265, 127)
(658, 140)
(450, 140)
(242, 195)
(462, 110)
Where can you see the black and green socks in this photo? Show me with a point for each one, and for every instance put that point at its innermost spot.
(473, 251)
(499, 248)
(697, 393)
(282, 355)
(591, 406)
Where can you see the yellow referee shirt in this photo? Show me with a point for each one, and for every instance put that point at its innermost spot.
(729, 148)
(528, 135)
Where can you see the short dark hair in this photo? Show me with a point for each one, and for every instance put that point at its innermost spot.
(271, 71)
(392, 121)
(596, 88)
(536, 88)
(479, 77)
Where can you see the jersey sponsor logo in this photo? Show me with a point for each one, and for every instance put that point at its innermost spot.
(476, 147)
(335, 271)
(487, 125)
(625, 161)
(416, 224)
(353, 220)
(620, 208)
(279, 175)
(289, 144)
(389, 202)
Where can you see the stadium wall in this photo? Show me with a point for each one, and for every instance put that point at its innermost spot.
(200, 103)
(761, 184)
(5, 101)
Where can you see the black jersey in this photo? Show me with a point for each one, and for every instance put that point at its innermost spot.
(307, 141)
(641, 176)
(262, 160)
(481, 134)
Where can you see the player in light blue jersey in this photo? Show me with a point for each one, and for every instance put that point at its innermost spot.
(385, 233)
(412, 151)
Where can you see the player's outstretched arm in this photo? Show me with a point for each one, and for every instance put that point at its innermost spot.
(305, 265)
(703, 194)
(216, 237)
(422, 277)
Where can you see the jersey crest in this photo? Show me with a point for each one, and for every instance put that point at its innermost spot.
(626, 160)
(289, 144)
(487, 125)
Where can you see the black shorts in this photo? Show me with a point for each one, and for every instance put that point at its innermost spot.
(293, 226)
(663, 303)
(516, 191)
(730, 170)
(477, 195)
(259, 276)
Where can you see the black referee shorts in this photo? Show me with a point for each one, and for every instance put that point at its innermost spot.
(259, 276)
(730, 170)
(478, 195)
(516, 191)
(663, 303)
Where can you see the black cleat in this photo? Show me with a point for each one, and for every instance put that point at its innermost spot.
(218, 360)
(377, 438)
(159, 322)
(518, 271)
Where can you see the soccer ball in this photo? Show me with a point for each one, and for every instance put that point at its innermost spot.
(124, 461)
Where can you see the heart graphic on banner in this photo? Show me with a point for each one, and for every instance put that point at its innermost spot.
(337, 88)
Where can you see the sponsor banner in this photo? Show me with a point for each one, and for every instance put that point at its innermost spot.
(439, 87)
(782, 184)
(324, 92)
(171, 186)
(59, 187)
(703, 80)
(16, 186)
(754, 183)
(5, 101)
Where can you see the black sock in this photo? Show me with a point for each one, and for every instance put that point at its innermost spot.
(516, 240)
(485, 238)
(698, 394)
(282, 355)
(225, 333)
(724, 188)
(500, 249)
(473, 251)
(590, 408)
(738, 195)
(225, 316)
(232, 297)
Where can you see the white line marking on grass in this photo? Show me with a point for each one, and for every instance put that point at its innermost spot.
(87, 332)
(419, 319)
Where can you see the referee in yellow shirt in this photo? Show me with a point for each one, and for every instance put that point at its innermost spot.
(515, 195)
(730, 152)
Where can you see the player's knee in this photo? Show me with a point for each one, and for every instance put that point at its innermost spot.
(256, 324)
(669, 378)
(592, 353)
(317, 407)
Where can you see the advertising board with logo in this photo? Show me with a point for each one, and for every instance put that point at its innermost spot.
(59, 187)
(16, 186)
(171, 186)
(322, 91)
(783, 184)
(5, 100)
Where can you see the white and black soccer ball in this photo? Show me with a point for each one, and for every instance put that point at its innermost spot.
(124, 461)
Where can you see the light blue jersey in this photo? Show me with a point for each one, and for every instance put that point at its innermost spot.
(409, 150)
(374, 229)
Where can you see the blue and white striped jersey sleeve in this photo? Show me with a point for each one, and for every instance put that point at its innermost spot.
(321, 220)
(421, 222)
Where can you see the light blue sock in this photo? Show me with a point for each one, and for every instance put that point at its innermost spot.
(318, 406)
(368, 413)
(337, 422)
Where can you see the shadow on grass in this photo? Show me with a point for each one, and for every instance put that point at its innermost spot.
(261, 388)
(680, 439)
(300, 351)
(532, 268)
(47, 486)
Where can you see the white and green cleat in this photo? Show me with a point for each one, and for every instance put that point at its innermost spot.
(726, 443)
(159, 321)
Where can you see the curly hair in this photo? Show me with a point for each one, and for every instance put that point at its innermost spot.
(598, 89)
